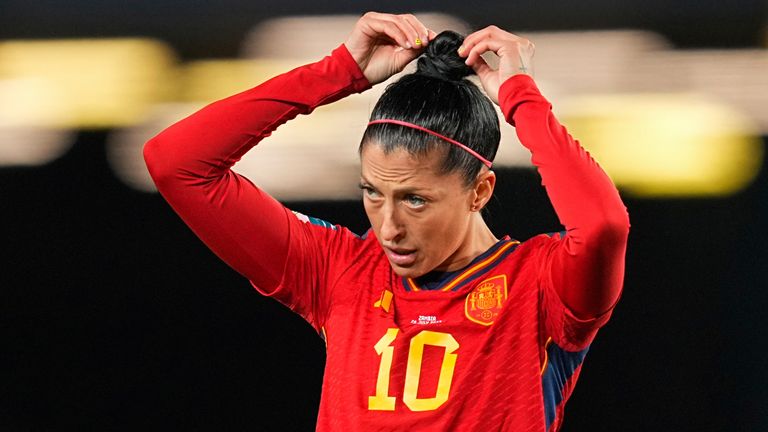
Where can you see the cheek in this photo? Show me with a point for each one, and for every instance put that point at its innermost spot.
(373, 216)
(444, 230)
(456, 222)
(368, 211)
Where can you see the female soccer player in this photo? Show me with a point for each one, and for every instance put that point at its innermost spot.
(432, 323)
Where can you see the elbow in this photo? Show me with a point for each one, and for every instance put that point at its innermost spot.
(613, 218)
(617, 221)
(158, 161)
(613, 229)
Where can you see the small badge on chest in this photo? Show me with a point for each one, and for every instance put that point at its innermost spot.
(484, 302)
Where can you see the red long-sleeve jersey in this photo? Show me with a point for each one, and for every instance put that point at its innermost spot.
(495, 346)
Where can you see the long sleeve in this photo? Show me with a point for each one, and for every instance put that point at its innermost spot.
(191, 162)
(586, 266)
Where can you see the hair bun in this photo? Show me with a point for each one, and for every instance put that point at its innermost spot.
(441, 60)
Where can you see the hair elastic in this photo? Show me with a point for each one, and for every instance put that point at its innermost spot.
(485, 161)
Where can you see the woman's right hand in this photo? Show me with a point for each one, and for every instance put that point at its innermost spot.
(515, 57)
(382, 44)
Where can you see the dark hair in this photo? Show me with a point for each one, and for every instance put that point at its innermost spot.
(438, 97)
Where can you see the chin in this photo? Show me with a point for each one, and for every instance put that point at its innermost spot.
(408, 272)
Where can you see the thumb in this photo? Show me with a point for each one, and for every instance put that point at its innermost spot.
(404, 56)
(482, 69)
(488, 78)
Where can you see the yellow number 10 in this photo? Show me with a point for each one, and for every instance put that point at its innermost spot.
(381, 401)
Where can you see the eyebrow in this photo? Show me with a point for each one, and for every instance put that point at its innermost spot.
(404, 190)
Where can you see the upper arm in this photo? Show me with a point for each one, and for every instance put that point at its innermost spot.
(581, 272)
(576, 282)
(191, 161)
(239, 222)
(318, 252)
(283, 254)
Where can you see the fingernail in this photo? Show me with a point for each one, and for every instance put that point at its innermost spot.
(408, 45)
(461, 49)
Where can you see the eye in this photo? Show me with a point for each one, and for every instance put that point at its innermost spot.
(369, 191)
(415, 201)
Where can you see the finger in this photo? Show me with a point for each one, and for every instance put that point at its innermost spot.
(490, 32)
(482, 69)
(382, 25)
(406, 56)
(408, 27)
(409, 33)
(473, 39)
(422, 32)
(483, 46)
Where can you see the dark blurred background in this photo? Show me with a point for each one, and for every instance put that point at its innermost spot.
(113, 316)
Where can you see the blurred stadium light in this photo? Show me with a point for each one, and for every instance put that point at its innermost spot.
(667, 144)
(25, 135)
(214, 79)
(87, 83)
(50, 88)
(589, 61)
(20, 146)
(737, 77)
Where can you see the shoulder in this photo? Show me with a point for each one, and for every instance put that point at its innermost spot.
(531, 254)
(542, 241)
(337, 239)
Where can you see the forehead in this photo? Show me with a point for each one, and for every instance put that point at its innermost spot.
(400, 166)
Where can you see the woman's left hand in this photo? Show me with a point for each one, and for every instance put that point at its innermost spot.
(515, 57)
(382, 44)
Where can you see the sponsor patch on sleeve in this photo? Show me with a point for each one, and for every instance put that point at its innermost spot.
(313, 220)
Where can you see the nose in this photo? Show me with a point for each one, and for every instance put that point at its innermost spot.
(392, 229)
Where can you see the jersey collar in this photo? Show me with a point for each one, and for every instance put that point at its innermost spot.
(453, 281)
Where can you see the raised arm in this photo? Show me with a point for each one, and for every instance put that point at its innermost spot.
(586, 267)
(191, 161)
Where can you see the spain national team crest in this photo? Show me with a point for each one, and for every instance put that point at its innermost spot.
(483, 304)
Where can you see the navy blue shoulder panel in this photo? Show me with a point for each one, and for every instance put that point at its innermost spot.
(561, 366)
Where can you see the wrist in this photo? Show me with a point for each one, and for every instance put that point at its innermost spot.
(343, 55)
(515, 91)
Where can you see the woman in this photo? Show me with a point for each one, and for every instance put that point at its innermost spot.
(431, 322)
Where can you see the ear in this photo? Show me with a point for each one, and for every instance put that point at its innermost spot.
(483, 189)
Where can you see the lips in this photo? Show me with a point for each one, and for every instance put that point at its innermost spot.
(400, 257)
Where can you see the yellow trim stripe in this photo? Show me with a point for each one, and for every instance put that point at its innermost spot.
(467, 273)
(479, 266)
(325, 336)
(412, 285)
(546, 356)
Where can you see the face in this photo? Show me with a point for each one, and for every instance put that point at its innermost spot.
(420, 216)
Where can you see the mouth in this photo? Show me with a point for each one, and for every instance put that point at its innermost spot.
(400, 257)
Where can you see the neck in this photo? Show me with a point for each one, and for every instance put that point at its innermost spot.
(477, 240)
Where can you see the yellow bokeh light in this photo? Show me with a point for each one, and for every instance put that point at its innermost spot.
(667, 144)
(83, 83)
(210, 80)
